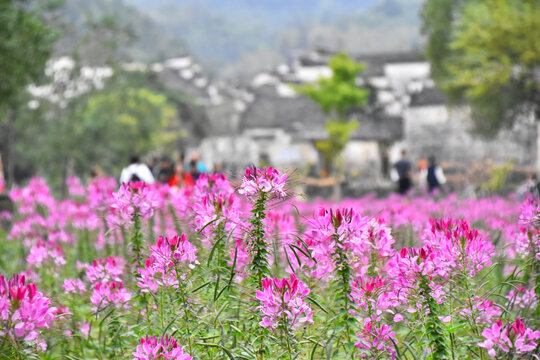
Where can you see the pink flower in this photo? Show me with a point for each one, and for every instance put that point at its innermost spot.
(133, 198)
(162, 268)
(376, 339)
(457, 246)
(366, 242)
(166, 348)
(501, 338)
(266, 180)
(43, 252)
(107, 269)
(284, 298)
(24, 311)
(110, 293)
(522, 298)
(75, 187)
(73, 286)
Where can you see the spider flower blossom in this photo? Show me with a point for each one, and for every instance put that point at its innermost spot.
(43, 252)
(266, 180)
(161, 268)
(104, 269)
(510, 337)
(283, 298)
(376, 339)
(458, 247)
(75, 286)
(25, 309)
(366, 241)
(522, 298)
(166, 348)
(134, 197)
(109, 293)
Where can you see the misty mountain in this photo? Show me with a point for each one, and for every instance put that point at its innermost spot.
(236, 38)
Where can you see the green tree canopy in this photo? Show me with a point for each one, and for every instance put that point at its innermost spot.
(487, 52)
(26, 43)
(99, 129)
(122, 122)
(335, 95)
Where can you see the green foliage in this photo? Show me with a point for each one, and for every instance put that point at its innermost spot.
(486, 52)
(335, 95)
(338, 136)
(259, 267)
(498, 177)
(339, 92)
(99, 129)
(26, 44)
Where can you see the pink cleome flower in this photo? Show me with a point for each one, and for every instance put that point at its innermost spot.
(284, 298)
(375, 339)
(266, 180)
(501, 338)
(24, 311)
(161, 268)
(166, 348)
(110, 293)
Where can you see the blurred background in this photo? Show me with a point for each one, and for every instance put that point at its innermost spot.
(330, 90)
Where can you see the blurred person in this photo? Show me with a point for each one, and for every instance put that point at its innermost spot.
(433, 175)
(531, 186)
(180, 178)
(218, 168)
(403, 170)
(194, 170)
(136, 171)
(96, 172)
(422, 165)
(152, 165)
(165, 170)
(201, 167)
(385, 164)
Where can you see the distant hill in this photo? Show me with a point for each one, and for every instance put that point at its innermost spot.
(86, 32)
(236, 38)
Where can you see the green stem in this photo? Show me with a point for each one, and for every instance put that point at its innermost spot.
(259, 267)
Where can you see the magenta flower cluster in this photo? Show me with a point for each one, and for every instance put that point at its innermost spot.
(162, 268)
(24, 311)
(166, 348)
(514, 337)
(266, 180)
(282, 303)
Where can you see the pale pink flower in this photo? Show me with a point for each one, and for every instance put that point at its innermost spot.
(266, 180)
(374, 339)
(166, 348)
(110, 293)
(501, 338)
(75, 286)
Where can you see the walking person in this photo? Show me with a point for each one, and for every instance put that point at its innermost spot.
(433, 175)
(136, 171)
(403, 169)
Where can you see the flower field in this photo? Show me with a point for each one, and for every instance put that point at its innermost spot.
(248, 271)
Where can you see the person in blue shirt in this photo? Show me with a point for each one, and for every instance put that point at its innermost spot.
(403, 169)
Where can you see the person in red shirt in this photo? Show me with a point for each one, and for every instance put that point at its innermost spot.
(180, 178)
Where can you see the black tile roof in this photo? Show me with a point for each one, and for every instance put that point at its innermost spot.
(428, 96)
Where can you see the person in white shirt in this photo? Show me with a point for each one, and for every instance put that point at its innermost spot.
(136, 171)
(433, 175)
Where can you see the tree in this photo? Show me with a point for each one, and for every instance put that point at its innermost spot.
(26, 43)
(335, 95)
(487, 53)
(123, 121)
